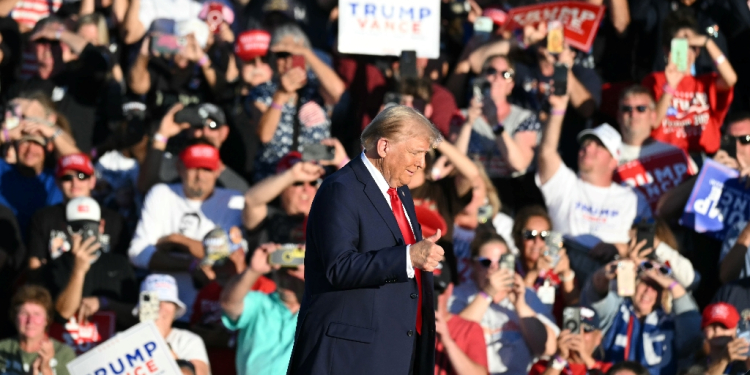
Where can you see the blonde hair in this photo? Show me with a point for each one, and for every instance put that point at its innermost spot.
(391, 123)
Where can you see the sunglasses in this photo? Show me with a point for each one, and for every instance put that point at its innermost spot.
(629, 108)
(664, 270)
(311, 183)
(743, 139)
(532, 234)
(80, 176)
(507, 74)
(282, 55)
(588, 328)
(484, 262)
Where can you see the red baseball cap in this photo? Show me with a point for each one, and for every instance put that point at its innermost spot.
(497, 15)
(722, 313)
(288, 161)
(252, 44)
(200, 156)
(79, 162)
(430, 221)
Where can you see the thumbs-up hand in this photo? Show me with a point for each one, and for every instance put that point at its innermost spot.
(426, 255)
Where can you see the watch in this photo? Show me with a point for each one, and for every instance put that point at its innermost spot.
(56, 133)
(498, 129)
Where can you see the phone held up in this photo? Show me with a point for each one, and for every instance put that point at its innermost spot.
(626, 273)
(572, 319)
(289, 255)
(560, 80)
(317, 152)
(148, 306)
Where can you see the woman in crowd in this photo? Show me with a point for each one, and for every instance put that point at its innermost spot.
(33, 351)
(297, 97)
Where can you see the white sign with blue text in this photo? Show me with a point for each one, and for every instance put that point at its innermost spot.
(387, 27)
(138, 351)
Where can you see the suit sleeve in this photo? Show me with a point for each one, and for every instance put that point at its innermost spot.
(334, 228)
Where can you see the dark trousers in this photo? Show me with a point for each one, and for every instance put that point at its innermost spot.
(414, 367)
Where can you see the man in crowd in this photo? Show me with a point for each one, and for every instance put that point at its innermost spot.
(88, 280)
(176, 217)
(650, 165)
(589, 207)
(266, 322)
(48, 230)
(209, 123)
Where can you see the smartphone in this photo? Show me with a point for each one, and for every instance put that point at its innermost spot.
(679, 53)
(483, 28)
(479, 87)
(560, 80)
(317, 151)
(214, 18)
(743, 332)
(508, 261)
(646, 231)
(191, 115)
(148, 306)
(298, 61)
(729, 144)
(554, 242)
(86, 229)
(289, 255)
(555, 37)
(572, 319)
(167, 44)
(408, 65)
(625, 278)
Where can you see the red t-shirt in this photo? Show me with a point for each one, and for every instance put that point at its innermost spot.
(469, 337)
(693, 120)
(571, 369)
(207, 310)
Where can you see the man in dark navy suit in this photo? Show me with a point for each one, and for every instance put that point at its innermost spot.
(368, 306)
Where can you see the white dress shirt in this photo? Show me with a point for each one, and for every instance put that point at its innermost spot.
(383, 186)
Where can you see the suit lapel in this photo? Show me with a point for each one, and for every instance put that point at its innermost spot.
(376, 197)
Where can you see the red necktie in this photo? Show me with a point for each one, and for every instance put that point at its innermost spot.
(403, 225)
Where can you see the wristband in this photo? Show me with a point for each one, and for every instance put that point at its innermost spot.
(203, 61)
(160, 138)
(569, 278)
(559, 363)
(193, 265)
(558, 112)
(720, 59)
(344, 162)
(485, 295)
(668, 89)
(278, 106)
(672, 285)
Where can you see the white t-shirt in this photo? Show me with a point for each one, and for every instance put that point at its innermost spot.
(188, 346)
(590, 214)
(166, 211)
(507, 352)
(177, 10)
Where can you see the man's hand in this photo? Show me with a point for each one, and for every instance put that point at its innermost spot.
(50, 31)
(564, 343)
(84, 253)
(168, 128)
(192, 50)
(89, 306)
(736, 350)
(46, 353)
(339, 154)
(306, 172)
(426, 255)
(259, 261)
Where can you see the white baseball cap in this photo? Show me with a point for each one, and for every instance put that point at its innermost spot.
(165, 287)
(606, 134)
(83, 209)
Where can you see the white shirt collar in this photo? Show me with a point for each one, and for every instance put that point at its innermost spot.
(377, 176)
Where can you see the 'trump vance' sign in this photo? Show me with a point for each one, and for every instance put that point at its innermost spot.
(138, 351)
(387, 27)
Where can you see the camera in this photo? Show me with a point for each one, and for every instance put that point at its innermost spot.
(572, 319)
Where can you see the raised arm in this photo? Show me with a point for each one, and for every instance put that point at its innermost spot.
(549, 161)
(69, 300)
(233, 295)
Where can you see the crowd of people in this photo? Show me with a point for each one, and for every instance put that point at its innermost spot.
(170, 147)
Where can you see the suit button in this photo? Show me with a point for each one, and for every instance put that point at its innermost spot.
(413, 296)
(410, 333)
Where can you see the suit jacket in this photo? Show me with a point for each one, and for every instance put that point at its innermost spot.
(358, 314)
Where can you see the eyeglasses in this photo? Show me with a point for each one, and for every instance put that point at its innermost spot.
(282, 55)
(507, 74)
(743, 139)
(532, 234)
(639, 108)
(588, 328)
(484, 262)
(311, 183)
(664, 270)
(80, 176)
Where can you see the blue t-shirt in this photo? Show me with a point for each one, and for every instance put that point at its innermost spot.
(24, 195)
(266, 337)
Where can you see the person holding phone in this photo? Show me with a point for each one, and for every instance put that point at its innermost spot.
(723, 351)
(638, 327)
(494, 297)
(293, 102)
(576, 351)
(690, 108)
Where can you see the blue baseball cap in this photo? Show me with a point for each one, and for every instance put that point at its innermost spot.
(589, 319)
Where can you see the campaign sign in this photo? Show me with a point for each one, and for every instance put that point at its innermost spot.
(654, 175)
(718, 201)
(387, 27)
(138, 351)
(580, 20)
